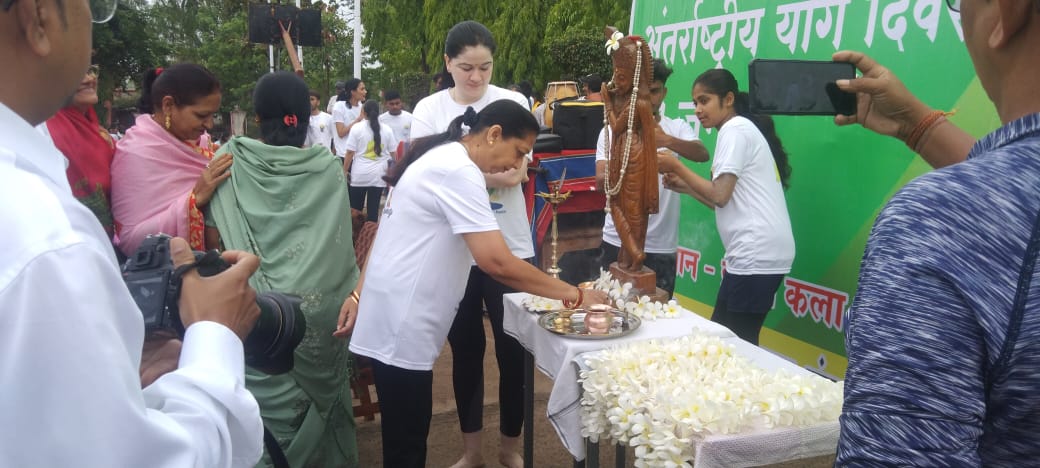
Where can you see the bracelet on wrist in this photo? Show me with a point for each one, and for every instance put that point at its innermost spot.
(355, 296)
(933, 118)
(572, 304)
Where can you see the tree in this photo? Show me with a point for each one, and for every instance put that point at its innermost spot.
(124, 48)
(214, 34)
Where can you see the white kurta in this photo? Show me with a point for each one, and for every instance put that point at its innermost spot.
(70, 344)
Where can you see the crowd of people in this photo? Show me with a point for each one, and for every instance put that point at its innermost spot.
(942, 352)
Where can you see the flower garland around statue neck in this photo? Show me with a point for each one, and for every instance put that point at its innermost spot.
(613, 189)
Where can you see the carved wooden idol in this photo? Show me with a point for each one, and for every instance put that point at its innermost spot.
(630, 181)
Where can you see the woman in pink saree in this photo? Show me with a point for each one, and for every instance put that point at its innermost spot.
(163, 172)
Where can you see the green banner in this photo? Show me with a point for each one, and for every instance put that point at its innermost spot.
(842, 176)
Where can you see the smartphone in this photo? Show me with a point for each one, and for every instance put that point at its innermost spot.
(799, 87)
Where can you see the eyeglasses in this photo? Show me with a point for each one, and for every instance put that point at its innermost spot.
(100, 10)
(954, 5)
(94, 70)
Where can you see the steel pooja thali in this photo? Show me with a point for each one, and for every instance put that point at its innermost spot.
(576, 323)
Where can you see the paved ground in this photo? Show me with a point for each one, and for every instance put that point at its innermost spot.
(445, 441)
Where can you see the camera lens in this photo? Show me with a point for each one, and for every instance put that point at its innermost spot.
(280, 328)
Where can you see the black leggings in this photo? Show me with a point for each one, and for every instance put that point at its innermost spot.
(467, 347)
(743, 303)
(405, 406)
(358, 195)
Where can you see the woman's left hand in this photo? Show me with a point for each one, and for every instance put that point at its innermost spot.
(347, 317)
(217, 171)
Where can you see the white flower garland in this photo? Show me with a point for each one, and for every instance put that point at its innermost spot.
(607, 187)
(662, 396)
(620, 294)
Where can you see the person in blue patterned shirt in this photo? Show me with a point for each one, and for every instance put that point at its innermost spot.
(939, 374)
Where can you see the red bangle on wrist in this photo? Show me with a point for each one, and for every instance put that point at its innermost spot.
(576, 303)
(923, 126)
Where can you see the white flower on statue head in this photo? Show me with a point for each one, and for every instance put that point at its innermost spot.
(612, 43)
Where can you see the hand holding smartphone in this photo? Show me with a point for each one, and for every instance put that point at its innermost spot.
(800, 87)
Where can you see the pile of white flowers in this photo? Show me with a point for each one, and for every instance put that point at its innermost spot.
(661, 397)
(621, 295)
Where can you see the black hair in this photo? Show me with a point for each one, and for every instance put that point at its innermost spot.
(443, 80)
(526, 88)
(283, 106)
(351, 85)
(721, 82)
(371, 110)
(595, 82)
(516, 122)
(661, 71)
(314, 93)
(186, 83)
(390, 95)
(460, 36)
(468, 34)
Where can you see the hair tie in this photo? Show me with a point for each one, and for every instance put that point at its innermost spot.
(158, 71)
(290, 120)
(469, 118)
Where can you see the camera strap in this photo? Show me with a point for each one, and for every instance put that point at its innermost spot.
(208, 258)
(274, 450)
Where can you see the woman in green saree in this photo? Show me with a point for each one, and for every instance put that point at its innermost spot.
(289, 206)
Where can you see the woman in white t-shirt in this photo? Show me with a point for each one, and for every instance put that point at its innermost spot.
(437, 221)
(749, 173)
(469, 57)
(347, 112)
(368, 155)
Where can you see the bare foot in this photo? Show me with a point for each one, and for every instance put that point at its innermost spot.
(511, 459)
(466, 462)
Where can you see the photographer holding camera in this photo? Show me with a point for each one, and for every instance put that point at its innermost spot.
(71, 360)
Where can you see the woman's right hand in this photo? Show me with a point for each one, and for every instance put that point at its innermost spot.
(883, 103)
(216, 172)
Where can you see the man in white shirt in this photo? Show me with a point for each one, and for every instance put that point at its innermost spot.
(72, 351)
(320, 129)
(399, 120)
(676, 137)
(340, 86)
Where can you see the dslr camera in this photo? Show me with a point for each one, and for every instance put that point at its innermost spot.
(155, 286)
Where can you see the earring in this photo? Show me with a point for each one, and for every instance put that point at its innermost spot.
(167, 121)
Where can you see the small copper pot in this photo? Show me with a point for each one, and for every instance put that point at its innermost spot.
(598, 319)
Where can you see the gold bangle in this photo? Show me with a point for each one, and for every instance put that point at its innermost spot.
(355, 296)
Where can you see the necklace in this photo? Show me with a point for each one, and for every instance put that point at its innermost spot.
(613, 189)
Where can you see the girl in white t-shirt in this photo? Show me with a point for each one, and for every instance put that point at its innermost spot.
(749, 173)
(469, 57)
(347, 112)
(368, 155)
(436, 221)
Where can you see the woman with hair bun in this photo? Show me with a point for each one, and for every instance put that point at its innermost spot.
(289, 206)
(469, 50)
(163, 170)
(437, 220)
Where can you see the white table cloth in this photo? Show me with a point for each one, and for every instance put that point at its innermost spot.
(554, 356)
(766, 446)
